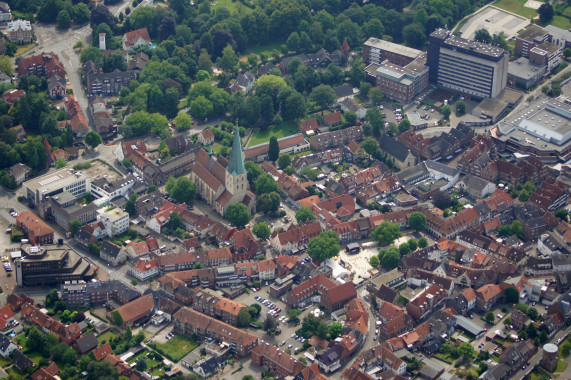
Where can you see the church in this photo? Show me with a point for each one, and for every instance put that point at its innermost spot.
(220, 182)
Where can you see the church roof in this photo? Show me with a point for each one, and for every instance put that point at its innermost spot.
(236, 166)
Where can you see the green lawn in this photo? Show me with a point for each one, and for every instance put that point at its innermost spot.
(233, 6)
(139, 355)
(106, 337)
(268, 48)
(152, 362)
(516, 6)
(34, 356)
(284, 129)
(15, 374)
(561, 366)
(4, 362)
(21, 340)
(176, 348)
(216, 148)
(561, 22)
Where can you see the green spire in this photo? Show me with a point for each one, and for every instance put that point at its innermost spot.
(236, 166)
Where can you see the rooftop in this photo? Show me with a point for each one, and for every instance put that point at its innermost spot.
(392, 47)
(55, 180)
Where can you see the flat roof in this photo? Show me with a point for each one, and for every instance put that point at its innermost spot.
(468, 325)
(392, 47)
(478, 47)
(523, 68)
(56, 180)
(415, 119)
(532, 32)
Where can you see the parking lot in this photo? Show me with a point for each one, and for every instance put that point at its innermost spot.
(495, 21)
(288, 329)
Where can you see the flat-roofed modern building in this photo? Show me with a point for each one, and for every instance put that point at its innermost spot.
(37, 189)
(376, 51)
(52, 264)
(469, 67)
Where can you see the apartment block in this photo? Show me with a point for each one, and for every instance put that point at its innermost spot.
(466, 66)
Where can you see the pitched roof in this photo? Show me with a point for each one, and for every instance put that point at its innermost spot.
(133, 36)
(103, 351)
(86, 343)
(332, 118)
(236, 165)
(136, 309)
(393, 147)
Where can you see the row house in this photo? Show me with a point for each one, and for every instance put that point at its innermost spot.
(208, 302)
(280, 364)
(550, 196)
(446, 145)
(295, 238)
(189, 322)
(67, 334)
(81, 293)
(479, 155)
(378, 190)
(313, 160)
(424, 304)
(175, 262)
(245, 246)
(395, 321)
(42, 65)
(362, 179)
(136, 151)
(487, 296)
(135, 312)
(287, 184)
(104, 123)
(264, 270)
(335, 139)
(491, 247)
(380, 356)
(109, 84)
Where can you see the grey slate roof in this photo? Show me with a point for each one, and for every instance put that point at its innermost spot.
(343, 91)
(87, 343)
(433, 165)
(110, 249)
(393, 147)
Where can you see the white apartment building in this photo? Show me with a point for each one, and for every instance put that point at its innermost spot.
(37, 189)
(116, 221)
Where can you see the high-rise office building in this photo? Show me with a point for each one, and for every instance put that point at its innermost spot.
(466, 66)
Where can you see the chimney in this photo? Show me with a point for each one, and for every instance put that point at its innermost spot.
(102, 41)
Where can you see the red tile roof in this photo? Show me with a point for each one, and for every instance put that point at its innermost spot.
(133, 37)
(103, 351)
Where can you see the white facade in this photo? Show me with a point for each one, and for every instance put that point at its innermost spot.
(146, 274)
(116, 221)
(11, 347)
(153, 224)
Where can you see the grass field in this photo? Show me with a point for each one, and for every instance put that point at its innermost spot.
(266, 48)
(561, 366)
(279, 131)
(233, 6)
(176, 348)
(15, 374)
(106, 337)
(24, 48)
(516, 6)
(4, 362)
(561, 22)
(34, 356)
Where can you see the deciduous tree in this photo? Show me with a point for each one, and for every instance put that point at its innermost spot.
(324, 246)
(238, 214)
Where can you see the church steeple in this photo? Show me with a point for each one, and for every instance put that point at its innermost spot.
(236, 166)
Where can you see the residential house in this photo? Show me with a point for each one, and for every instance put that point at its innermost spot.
(278, 361)
(5, 13)
(21, 362)
(20, 32)
(288, 145)
(20, 172)
(143, 270)
(424, 304)
(207, 367)
(135, 312)
(206, 137)
(308, 127)
(331, 120)
(189, 322)
(37, 230)
(487, 296)
(246, 82)
(86, 343)
(477, 188)
(401, 155)
(295, 238)
(349, 105)
(7, 346)
(11, 96)
(136, 39)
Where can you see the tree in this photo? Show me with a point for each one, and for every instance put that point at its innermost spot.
(183, 121)
(546, 13)
(304, 214)
(370, 145)
(567, 52)
(374, 261)
(229, 59)
(269, 323)
(324, 246)
(417, 221)
(102, 370)
(562, 214)
(323, 96)
(238, 214)
(93, 139)
(404, 249)
(293, 42)
(442, 200)
(335, 329)
(445, 111)
(422, 242)
(415, 35)
(35, 340)
(350, 118)
(390, 258)
(460, 108)
(386, 233)
(63, 20)
(273, 149)
(489, 317)
(244, 317)
(376, 95)
(6, 65)
(483, 35)
(141, 365)
(531, 330)
(201, 107)
(268, 202)
(74, 226)
(532, 313)
(265, 184)
(181, 189)
(293, 315)
(61, 163)
(512, 295)
(58, 350)
(69, 357)
(254, 310)
(80, 13)
(284, 161)
(523, 196)
(262, 231)
(565, 348)
(467, 351)
(117, 318)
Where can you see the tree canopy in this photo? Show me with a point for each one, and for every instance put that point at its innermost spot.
(386, 233)
(324, 246)
(238, 214)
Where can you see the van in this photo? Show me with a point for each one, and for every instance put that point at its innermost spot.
(24, 241)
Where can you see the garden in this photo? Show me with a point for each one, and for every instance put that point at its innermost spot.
(176, 348)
